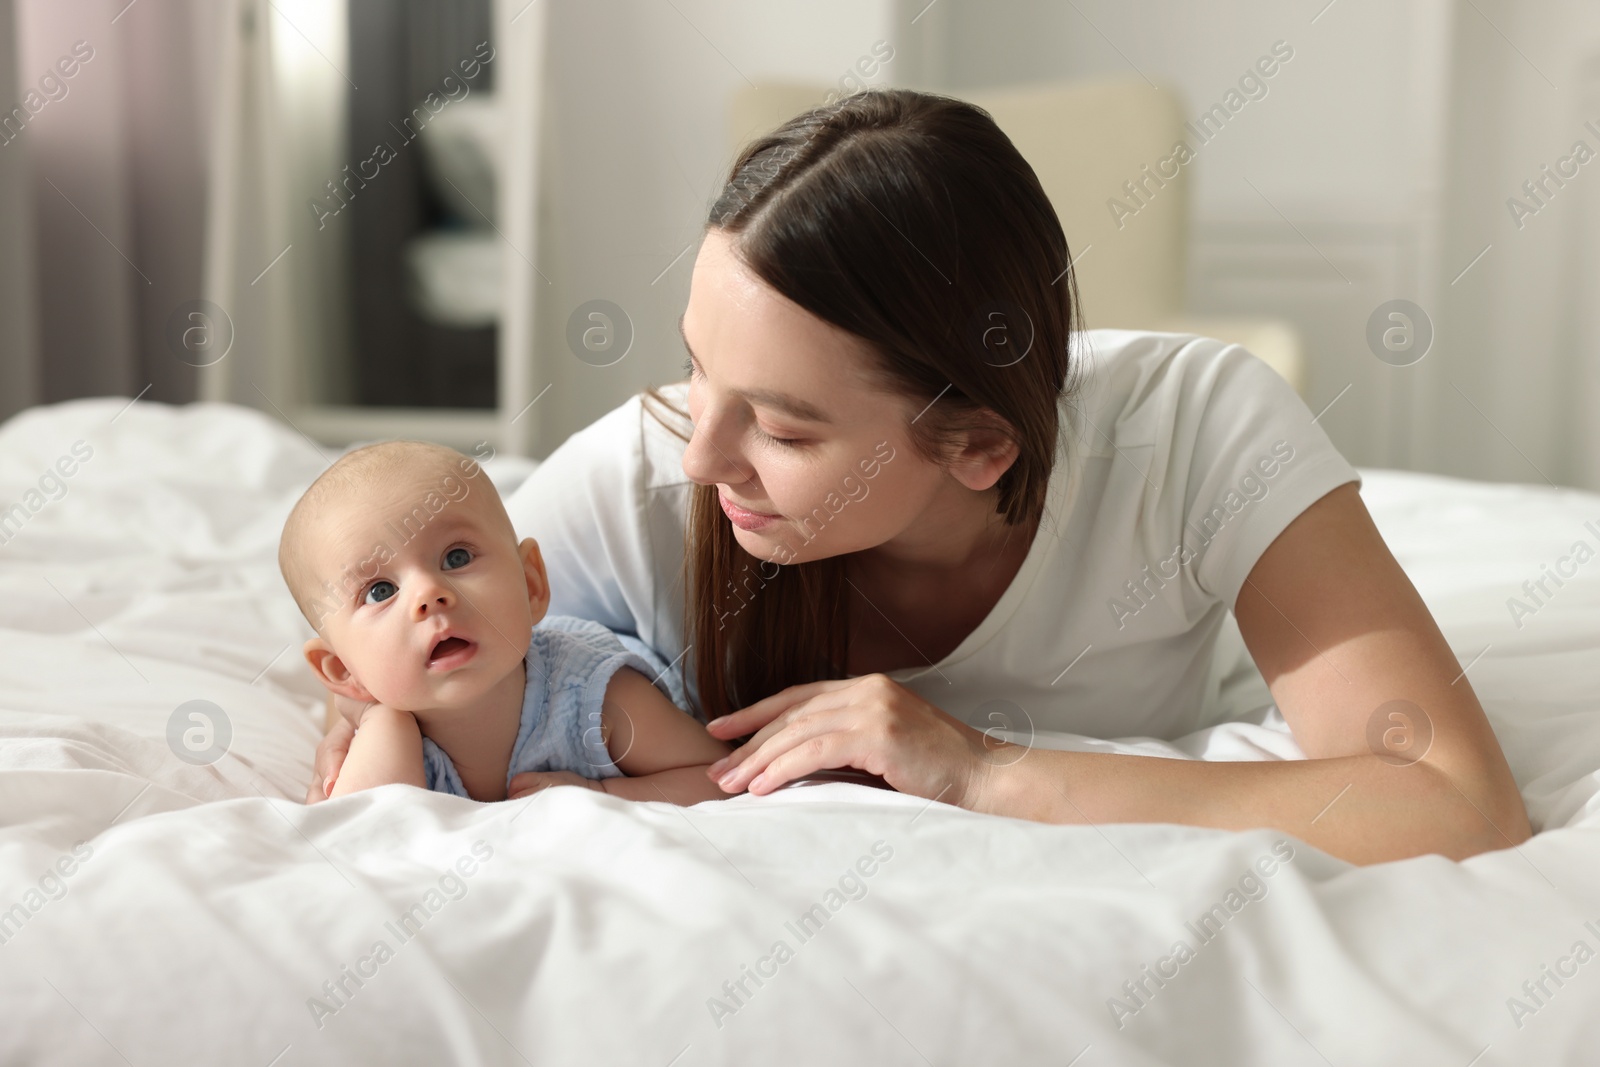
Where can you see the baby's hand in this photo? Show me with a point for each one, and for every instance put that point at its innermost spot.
(533, 781)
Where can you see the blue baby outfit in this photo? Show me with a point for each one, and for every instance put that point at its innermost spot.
(570, 662)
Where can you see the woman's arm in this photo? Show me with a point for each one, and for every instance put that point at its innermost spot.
(1402, 758)
(331, 752)
(1340, 636)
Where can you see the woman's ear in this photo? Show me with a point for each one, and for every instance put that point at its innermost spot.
(533, 573)
(332, 672)
(987, 453)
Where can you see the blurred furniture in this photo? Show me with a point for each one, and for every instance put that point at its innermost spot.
(423, 267)
(1085, 140)
(284, 278)
(455, 275)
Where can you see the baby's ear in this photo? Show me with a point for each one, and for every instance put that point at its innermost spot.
(332, 672)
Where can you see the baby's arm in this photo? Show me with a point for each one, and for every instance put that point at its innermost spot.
(679, 785)
(645, 732)
(663, 750)
(387, 748)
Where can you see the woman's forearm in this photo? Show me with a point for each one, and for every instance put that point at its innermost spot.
(331, 751)
(1359, 808)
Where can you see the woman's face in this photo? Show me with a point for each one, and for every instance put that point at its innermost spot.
(809, 460)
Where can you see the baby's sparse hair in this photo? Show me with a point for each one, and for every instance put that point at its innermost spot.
(356, 470)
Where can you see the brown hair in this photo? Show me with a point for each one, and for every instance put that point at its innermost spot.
(910, 220)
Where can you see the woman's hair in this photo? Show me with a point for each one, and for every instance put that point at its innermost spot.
(910, 220)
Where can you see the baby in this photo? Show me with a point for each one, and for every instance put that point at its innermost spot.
(403, 559)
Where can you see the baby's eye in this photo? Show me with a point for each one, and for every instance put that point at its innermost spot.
(380, 591)
(457, 557)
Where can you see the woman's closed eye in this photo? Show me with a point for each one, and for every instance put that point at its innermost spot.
(786, 442)
(692, 370)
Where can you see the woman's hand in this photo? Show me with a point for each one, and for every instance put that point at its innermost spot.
(535, 781)
(871, 723)
(330, 757)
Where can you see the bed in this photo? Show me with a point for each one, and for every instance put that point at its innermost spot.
(166, 898)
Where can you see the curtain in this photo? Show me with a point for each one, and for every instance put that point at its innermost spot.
(102, 182)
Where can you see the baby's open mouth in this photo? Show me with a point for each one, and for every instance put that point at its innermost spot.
(448, 647)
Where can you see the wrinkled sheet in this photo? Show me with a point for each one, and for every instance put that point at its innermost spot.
(154, 910)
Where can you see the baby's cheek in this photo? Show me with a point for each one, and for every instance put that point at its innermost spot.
(391, 683)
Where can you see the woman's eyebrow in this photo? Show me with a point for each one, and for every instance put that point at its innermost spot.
(789, 405)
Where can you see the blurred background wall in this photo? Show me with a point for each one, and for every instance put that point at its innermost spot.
(1382, 163)
(116, 177)
(18, 319)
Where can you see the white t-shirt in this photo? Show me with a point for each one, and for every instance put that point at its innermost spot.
(1180, 459)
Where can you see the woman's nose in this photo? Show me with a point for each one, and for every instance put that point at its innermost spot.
(707, 460)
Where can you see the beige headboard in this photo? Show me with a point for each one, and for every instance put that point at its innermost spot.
(1085, 140)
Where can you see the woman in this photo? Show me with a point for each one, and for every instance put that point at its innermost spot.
(914, 496)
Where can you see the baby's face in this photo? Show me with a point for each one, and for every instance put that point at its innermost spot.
(445, 603)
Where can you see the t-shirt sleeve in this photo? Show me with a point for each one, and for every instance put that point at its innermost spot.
(580, 504)
(1248, 457)
(582, 658)
(607, 508)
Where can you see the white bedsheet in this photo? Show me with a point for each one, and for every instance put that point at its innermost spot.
(206, 908)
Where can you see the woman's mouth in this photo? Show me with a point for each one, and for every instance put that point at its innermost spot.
(744, 518)
(451, 652)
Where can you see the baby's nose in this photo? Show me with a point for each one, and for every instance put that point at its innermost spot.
(433, 602)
